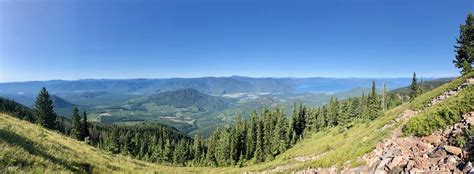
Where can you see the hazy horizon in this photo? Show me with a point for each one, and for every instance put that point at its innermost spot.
(158, 78)
(43, 40)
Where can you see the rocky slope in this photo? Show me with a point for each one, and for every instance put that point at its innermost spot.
(436, 153)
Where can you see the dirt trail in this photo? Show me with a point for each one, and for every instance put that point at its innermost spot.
(407, 114)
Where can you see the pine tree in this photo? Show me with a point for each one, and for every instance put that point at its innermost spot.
(259, 153)
(420, 87)
(251, 135)
(76, 125)
(85, 126)
(179, 154)
(465, 46)
(279, 135)
(373, 104)
(197, 148)
(44, 110)
(384, 97)
(289, 133)
(211, 149)
(333, 109)
(413, 87)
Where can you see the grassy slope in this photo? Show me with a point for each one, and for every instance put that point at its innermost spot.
(26, 147)
(34, 148)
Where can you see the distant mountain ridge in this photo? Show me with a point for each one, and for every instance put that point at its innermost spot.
(207, 85)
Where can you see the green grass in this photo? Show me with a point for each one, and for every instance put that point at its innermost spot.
(29, 148)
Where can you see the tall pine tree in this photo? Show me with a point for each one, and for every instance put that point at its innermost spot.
(373, 104)
(384, 97)
(85, 126)
(413, 87)
(76, 125)
(44, 110)
(465, 46)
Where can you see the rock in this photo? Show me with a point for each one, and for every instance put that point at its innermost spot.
(433, 139)
(453, 150)
(421, 163)
(437, 153)
(396, 170)
(410, 164)
(394, 162)
(470, 120)
(384, 162)
(467, 167)
(380, 172)
(415, 170)
(470, 81)
(451, 159)
(373, 163)
(458, 126)
(447, 132)
(456, 132)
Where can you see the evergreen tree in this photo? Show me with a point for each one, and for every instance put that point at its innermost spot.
(197, 148)
(332, 112)
(44, 110)
(465, 46)
(344, 113)
(251, 135)
(413, 87)
(85, 126)
(211, 149)
(420, 87)
(179, 154)
(384, 97)
(279, 142)
(289, 133)
(76, 124)
(240, 134)
(373, 104)
(259, 153)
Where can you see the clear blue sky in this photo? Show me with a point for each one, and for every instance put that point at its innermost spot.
(41, 40)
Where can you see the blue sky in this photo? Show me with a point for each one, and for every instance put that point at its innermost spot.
(42, 40)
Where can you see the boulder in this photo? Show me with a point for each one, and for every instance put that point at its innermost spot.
(453, 150)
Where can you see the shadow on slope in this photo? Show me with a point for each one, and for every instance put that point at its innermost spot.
(30, 147)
